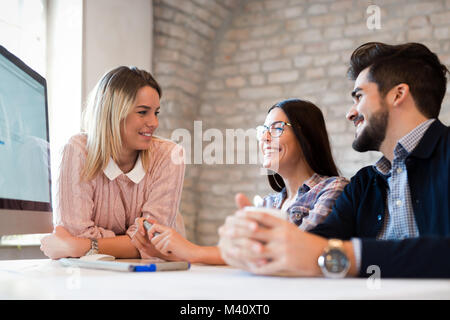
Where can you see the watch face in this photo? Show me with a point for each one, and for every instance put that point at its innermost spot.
(335, 261)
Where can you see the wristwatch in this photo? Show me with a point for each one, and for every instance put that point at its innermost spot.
(333, 262)
(94, 248)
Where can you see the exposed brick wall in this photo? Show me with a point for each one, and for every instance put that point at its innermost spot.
(227, 62)
(185, 37)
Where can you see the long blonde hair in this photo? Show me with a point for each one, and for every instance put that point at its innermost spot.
(109, 103)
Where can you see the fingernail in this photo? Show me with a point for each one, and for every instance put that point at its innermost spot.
(253, 226)
(256, 247)
(261, 262)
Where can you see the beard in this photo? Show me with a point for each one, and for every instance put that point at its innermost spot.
(373, 135)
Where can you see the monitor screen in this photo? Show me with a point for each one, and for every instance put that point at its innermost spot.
(25, 180)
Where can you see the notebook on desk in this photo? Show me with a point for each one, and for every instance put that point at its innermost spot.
(127, 265)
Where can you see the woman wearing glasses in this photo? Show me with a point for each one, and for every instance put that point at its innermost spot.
(295, 146)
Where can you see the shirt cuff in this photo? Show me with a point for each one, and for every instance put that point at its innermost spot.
(357, 251)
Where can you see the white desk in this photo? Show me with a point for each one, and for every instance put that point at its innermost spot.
(46, 279)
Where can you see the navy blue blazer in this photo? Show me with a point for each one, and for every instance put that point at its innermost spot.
(359, 212)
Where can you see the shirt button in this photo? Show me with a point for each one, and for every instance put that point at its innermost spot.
(399, 170)
(398, 203)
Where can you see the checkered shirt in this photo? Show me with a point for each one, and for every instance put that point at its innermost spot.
(399, 220)
(313, 202)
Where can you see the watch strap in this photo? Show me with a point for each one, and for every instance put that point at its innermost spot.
(335, 244)
(94, 248)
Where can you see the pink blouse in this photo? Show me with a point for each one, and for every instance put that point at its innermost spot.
(108, 204)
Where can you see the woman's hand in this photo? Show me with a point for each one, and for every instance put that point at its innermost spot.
(142, 242)
(61, 244)
(172, 244)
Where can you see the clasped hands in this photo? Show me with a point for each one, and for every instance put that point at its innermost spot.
(263, 244)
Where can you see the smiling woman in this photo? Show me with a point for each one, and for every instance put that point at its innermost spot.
(295, 145)
(116, 172)
(138, 127)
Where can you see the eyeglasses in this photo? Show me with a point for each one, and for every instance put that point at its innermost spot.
(276, 129)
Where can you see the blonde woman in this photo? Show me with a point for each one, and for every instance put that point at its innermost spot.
(116, 172)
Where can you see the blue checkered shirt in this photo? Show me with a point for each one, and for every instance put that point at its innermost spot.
(399, 220)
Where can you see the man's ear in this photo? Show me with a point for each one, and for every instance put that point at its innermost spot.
(399, 94)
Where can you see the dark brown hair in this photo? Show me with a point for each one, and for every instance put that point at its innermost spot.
(410, 63)
(309, 128)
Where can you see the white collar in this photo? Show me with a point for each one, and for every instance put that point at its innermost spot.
(112, 171)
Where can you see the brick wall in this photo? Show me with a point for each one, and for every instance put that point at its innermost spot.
(186, 33)
(226, 62)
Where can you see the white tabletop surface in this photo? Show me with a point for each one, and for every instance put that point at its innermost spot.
(47, 279)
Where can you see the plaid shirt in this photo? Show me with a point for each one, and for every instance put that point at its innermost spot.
(314, 200)
(399, 218)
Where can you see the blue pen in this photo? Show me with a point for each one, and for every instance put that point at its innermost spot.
(147, 268)
(163, 266)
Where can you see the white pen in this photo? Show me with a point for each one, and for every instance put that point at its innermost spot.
(148, 225)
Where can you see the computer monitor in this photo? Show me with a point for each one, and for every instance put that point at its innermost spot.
(25, 179)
